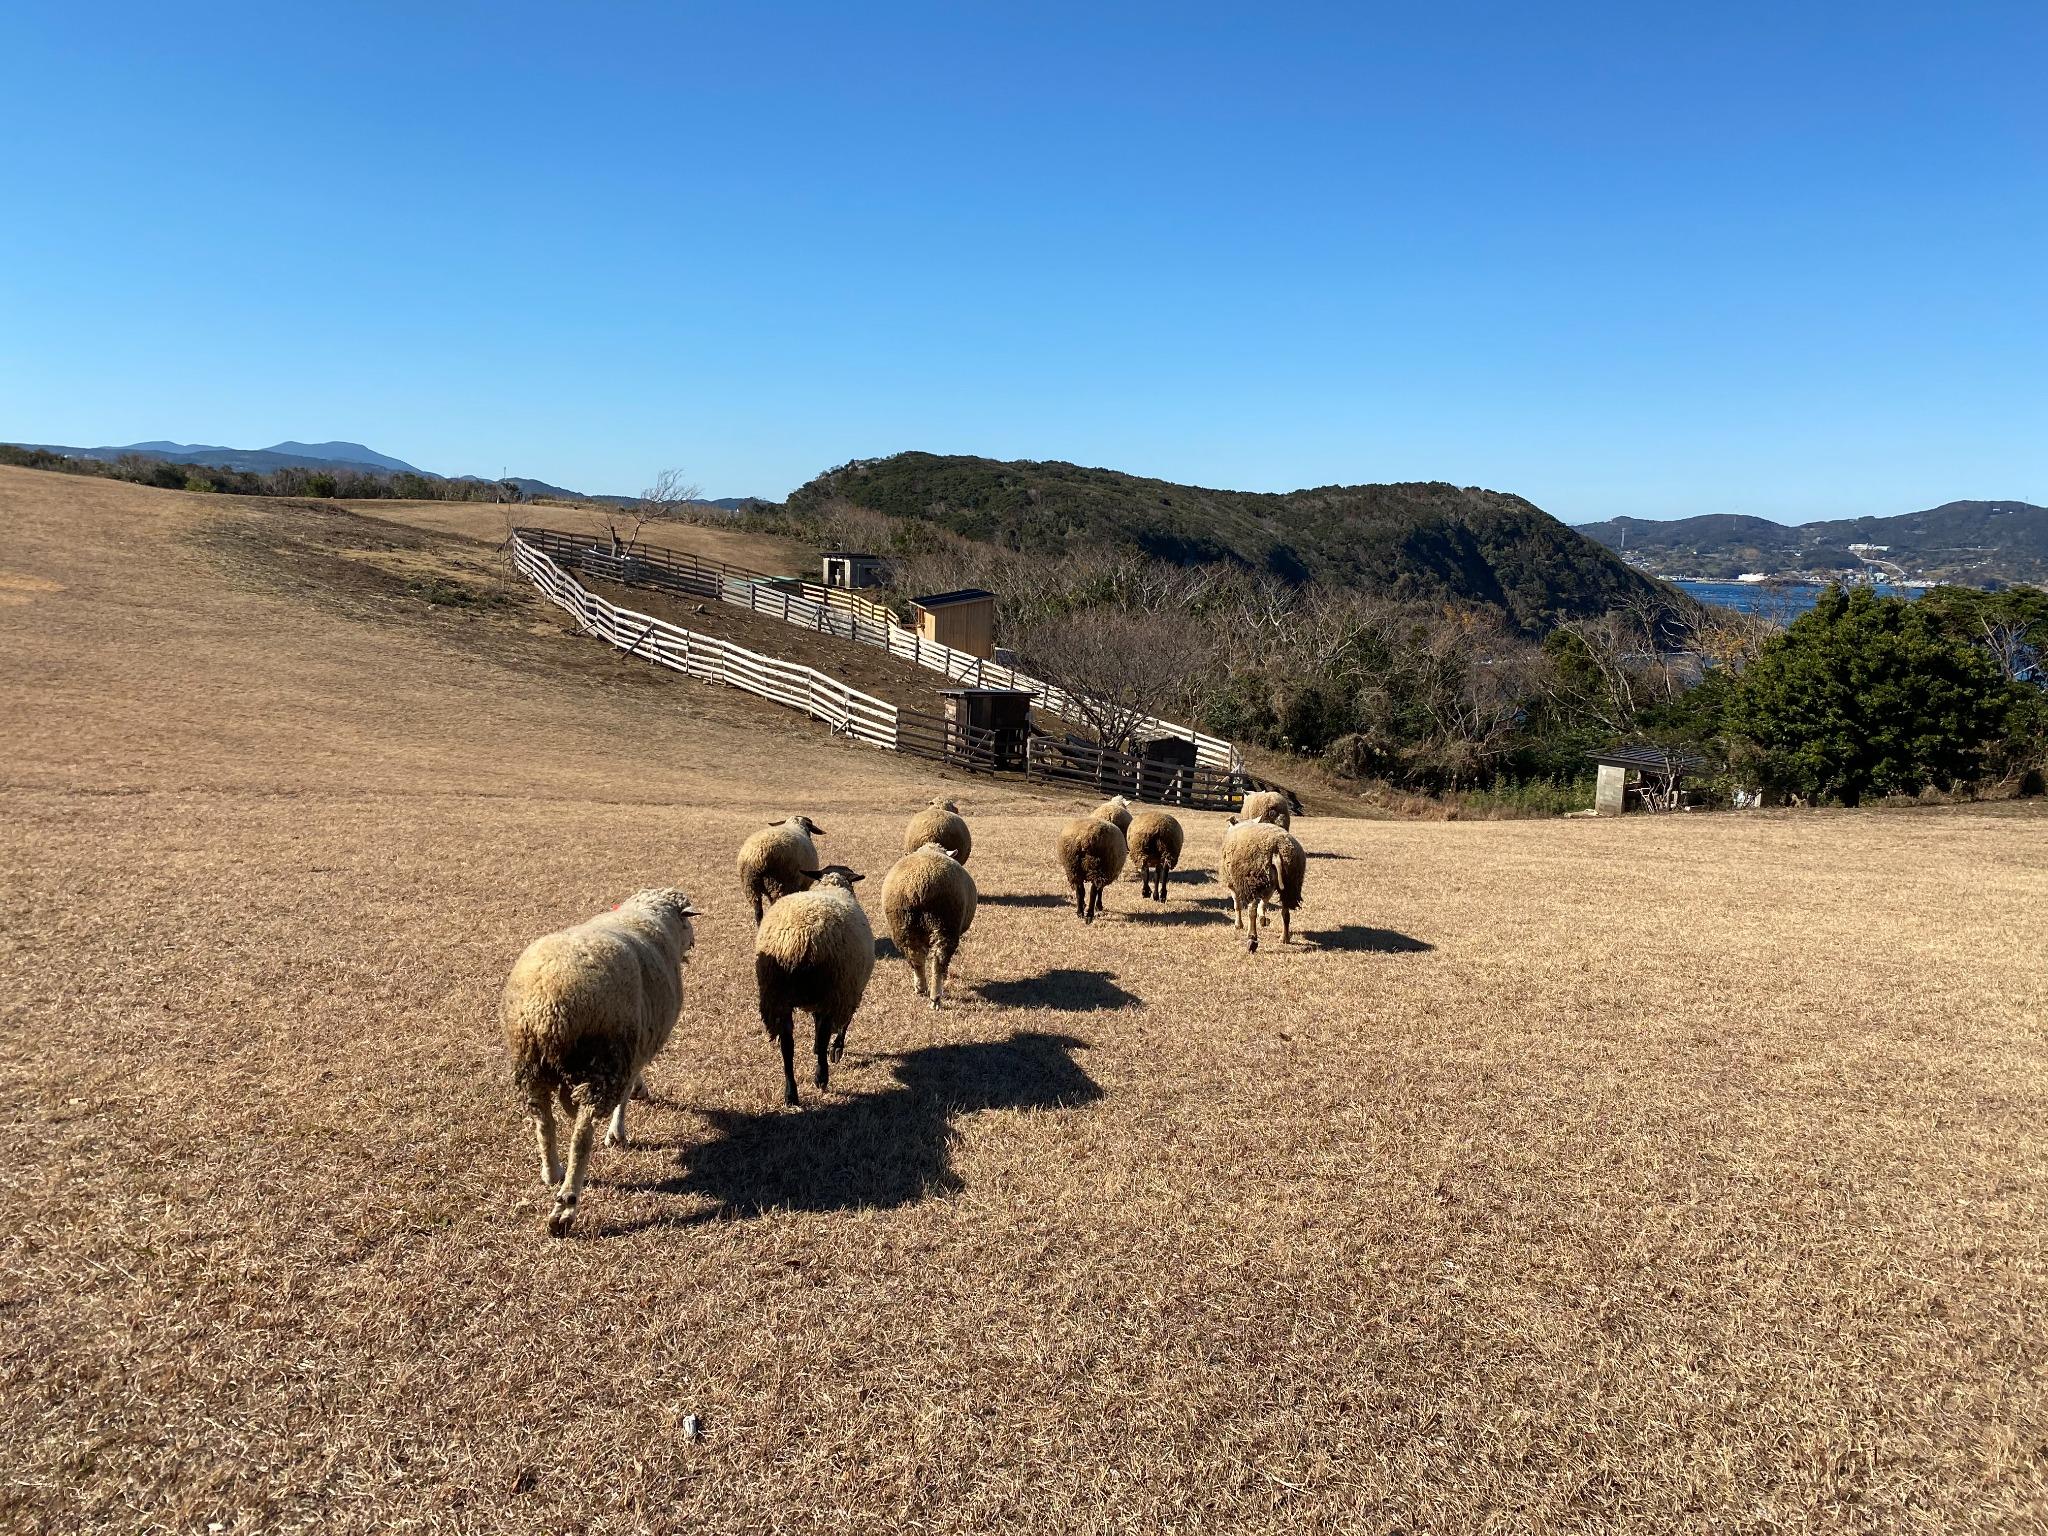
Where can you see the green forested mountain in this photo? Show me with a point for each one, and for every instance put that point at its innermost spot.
(1974, 542)
(1423, 541)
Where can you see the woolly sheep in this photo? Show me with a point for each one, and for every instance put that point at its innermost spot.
(1268, 805)
(939, 823)
(1155, 840)
(583, 1012)
(814, 951)
(1117, 809)
(1262, 863)
(928, 903)
(779, 860)
(1091, 855)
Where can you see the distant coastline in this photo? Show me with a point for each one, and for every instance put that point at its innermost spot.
(1782, 600)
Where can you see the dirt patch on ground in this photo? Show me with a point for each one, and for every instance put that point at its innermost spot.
(866, 667)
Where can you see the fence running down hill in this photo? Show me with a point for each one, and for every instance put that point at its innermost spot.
(841, 614)
(860, 715)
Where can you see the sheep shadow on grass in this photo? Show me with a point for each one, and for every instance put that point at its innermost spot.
(1062, 990)
(1166, 913)
(874, 1151)
(1003, 899)
(1357, 939)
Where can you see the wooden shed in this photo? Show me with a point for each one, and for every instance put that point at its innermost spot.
(965, 620)
(1004, 713)
(849, 569)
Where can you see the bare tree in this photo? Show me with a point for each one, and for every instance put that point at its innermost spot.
(2010, 644)
(1118, 666)
(671, 499)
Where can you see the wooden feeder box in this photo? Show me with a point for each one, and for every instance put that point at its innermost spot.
(1005, 713)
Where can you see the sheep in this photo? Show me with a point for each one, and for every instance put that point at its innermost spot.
(779, 860)
(939, 823)
(1117, 809)
(928, 903)
(1091, 854)
(583, 1013)
(1268, 805)
(814, 951)
(1155, 840)
(1262, 863)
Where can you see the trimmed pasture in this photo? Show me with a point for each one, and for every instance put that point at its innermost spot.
(1678, 1173)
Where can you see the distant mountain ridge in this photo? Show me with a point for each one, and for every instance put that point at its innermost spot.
(333, 456)
(1421, 542)
(1973, 542)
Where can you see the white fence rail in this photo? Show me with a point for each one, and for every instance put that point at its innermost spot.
(846, 710)
(775, 599)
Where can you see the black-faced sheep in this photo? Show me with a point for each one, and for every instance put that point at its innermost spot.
(1268, 805)
(927, 904)
(814, 951)
(1117, 809)
(1155, 840)
(941, 823)
(1091, 855)
(583, 1012)
(779, 860)
(1262, 863)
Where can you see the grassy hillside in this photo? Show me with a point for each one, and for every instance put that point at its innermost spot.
(1974, 542)
(1424, 541)
(1716, 1216)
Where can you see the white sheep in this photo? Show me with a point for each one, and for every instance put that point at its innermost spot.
(941, 823)
(583, 1012)
(1091, 855)
(778, 860)
(1269, 805)
(814, 951)
(928, 903)
(1155, 840)
(1115, 809)
(1262, 863)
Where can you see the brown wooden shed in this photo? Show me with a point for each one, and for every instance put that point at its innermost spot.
(965, 620)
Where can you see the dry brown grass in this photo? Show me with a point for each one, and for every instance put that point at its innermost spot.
(1663, 1175)
(490, 522)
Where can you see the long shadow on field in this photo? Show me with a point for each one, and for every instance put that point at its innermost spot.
(1065, 991)
(877, 1151)
(1324, 853)
(1355, 938)
(1177, 916)
(999, 899)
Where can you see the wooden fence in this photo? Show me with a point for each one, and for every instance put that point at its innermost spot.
(862, 716)
(840, 614)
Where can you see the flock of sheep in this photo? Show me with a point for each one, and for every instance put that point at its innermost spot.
(586, 1009)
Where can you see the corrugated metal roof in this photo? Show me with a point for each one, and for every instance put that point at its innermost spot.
(1652, 759)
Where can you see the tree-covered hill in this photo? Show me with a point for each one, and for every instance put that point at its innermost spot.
(1973, 542)
(1423, 541)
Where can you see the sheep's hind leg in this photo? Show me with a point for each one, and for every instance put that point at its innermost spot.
(615, 1133)
(540, 1108)
(822, 1043)
(580, 1138)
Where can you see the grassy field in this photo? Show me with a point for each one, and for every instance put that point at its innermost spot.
(1658, 1175)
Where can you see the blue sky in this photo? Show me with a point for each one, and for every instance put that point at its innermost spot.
(1653, 260)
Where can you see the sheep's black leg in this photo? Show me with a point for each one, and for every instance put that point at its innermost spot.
(1081, 901)
(821, 1042)
(787, 1038)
